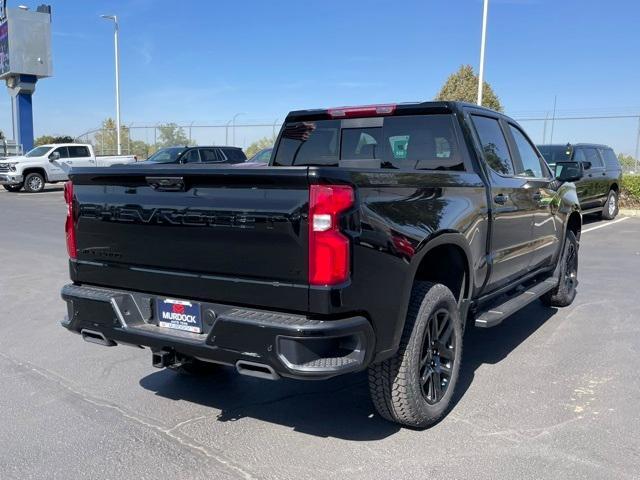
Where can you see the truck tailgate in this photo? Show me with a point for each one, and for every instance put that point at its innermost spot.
(222, 234)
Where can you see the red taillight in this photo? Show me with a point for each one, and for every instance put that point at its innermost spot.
(364, 111)
(69, 226)
(329, 261)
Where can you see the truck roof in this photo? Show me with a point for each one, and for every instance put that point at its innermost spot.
(568, 144)
(51, 145)
(383, 109)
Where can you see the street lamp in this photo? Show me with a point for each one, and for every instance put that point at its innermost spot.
(485, 11)
(234, 127)
(115, 39)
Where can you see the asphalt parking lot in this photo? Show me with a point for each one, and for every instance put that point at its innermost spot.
(548, 394)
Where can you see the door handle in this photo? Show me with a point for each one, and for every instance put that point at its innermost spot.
(501, 199)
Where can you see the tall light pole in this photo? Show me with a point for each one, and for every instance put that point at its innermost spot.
(485, 11)
(115, 40)
(233, 121)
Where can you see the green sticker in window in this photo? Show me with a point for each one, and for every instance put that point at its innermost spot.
(399, 145)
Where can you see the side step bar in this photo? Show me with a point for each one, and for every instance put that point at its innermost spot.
(496, 314)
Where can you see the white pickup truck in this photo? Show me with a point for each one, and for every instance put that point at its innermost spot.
(51, 164)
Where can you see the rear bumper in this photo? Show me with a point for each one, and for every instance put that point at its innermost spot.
(290, 345)
(10, 179)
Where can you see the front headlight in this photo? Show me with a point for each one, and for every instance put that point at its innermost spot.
(12, 166)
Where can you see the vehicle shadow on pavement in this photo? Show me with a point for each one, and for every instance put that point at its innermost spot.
(488, 346)
(339, 407)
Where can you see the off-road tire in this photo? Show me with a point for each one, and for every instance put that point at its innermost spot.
(610, 207)
(12, 188)
(565, 292)
(396, 385)
(34, 183)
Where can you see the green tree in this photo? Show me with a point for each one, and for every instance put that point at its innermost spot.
(49, 139)
(171, 134)
(105, 141)
(258, 145)
(463, 86)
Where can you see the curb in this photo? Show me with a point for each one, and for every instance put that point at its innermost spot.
(627, 212)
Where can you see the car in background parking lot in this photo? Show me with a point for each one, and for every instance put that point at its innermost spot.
(262, 156)
(201, 154)
(51, 163)
(599, 188)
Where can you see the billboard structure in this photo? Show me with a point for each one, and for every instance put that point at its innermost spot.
(25, 57)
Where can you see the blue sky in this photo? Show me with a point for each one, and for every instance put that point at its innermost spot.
(203, 61)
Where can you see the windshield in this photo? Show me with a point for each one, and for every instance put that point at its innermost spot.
(555, 153)
(166, 155)
(38, 152)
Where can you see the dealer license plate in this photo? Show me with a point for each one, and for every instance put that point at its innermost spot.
(179, 314)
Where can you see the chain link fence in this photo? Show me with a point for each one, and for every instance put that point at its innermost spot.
(144, 140)
(622, 132)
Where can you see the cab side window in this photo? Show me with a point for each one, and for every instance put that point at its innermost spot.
(531, 162)
(494, 145)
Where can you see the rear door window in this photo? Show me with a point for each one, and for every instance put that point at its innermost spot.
(208, 155)
(592, 155)
(610, 159)
(494, 145)
(426, 142)
(78, 151)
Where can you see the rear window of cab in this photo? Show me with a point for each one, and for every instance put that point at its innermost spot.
(412, 142)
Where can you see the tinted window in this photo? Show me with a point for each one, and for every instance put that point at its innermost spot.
(166, 155)
(62, 151)
(531, 166)
(423, 142)
(610, 158)
(234, 155)
(208, 155)
(494, 145)
(263, 157)
(78, 151)
(191, 156)
(591, 155)
(309, 143)
(555, 153)
(407, 142)
(361, 143)
(579, 156)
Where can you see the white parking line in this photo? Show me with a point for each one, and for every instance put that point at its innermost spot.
(621, 219)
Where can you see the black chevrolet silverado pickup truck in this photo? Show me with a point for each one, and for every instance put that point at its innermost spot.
(368, 242)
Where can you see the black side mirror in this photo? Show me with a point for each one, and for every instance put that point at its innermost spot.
(569, 171)
(54, 156)
(586, 165)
